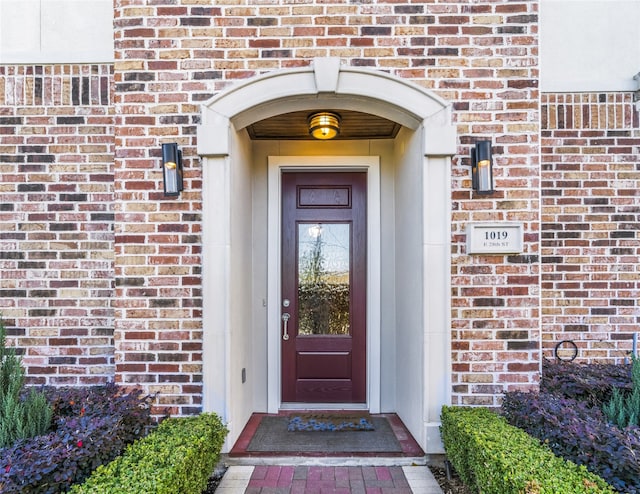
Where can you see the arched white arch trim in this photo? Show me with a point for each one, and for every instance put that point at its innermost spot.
(424, 157)
(327, 84)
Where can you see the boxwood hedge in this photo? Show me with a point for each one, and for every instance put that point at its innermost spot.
(494, 457)
(177, 458)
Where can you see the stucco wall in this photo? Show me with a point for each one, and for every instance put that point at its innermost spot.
(56, 31)
(589, 45)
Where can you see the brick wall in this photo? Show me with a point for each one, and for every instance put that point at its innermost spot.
(591, 219)
(56, 220)
(482, 56)
(76, 150)
(164, 70)
(490, 72)
(81, 143)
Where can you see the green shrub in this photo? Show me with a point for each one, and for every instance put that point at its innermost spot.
(20, 418)
(177, 458)
(494, 457)
(624, 408)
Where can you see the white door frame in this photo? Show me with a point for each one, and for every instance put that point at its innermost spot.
(328, 83)
(371, 165)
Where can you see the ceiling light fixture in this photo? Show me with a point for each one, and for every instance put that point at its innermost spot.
(324, 125)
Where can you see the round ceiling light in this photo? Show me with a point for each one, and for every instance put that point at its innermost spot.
(324, 125)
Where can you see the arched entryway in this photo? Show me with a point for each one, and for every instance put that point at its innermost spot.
(408, 253)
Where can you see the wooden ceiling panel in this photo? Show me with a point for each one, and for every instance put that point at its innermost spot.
(355, 125)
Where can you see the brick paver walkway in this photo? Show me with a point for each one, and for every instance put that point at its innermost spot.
(328, 479)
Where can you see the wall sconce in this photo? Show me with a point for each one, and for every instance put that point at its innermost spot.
(324, 125)
(172, 169)
(482, 168)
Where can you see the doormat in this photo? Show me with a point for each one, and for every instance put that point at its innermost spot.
(322, 422)
(272, 436)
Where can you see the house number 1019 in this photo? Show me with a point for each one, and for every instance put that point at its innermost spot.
(494, 238)
(496, 235)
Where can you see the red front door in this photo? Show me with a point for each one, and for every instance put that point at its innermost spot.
(323, 303)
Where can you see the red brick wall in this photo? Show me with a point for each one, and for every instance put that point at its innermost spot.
(489, 70)
(163, 72)
(591, 219)
(56, 220)
(80, 144)
(169, 59)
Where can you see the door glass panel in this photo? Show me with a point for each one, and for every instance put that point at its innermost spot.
(323, 278)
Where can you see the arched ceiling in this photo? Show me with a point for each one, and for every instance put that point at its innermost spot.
(293, 125)
(276, 105)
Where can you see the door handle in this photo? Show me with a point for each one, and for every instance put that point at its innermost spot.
(285, 320)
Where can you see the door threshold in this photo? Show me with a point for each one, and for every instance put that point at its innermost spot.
(331, 461)
(323, 406)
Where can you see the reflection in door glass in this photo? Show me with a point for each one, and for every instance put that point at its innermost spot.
(323, 278)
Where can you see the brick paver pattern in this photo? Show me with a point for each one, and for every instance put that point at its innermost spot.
(322, 479)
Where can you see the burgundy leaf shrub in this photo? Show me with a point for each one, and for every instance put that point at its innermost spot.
(91, 427)
(580, 433)
(590, 383)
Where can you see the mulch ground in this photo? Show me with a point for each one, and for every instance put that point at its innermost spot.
(452, 485)
(215, 479)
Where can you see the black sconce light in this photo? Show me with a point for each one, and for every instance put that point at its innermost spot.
(482, 168)
(172, 169)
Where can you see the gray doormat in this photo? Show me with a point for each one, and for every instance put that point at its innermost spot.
(272, 436)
